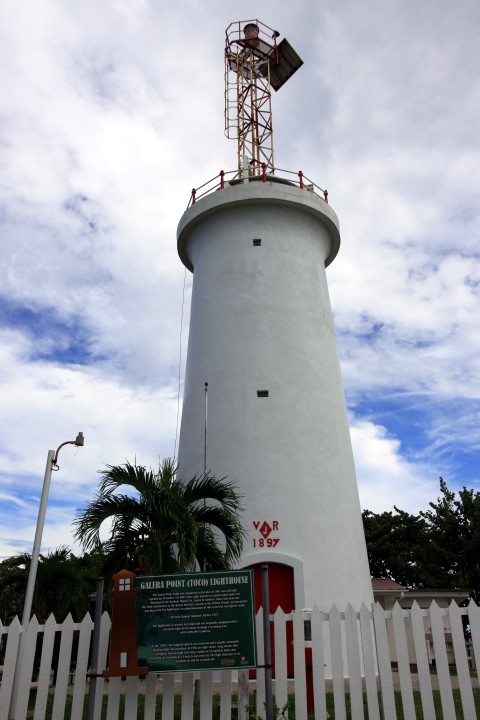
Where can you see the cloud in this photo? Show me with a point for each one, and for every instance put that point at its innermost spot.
(45, 404)
(112, 112)
(381, 471)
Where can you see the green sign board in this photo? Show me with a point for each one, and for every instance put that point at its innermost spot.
(196, 621)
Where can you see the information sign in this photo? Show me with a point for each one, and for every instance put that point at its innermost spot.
(196, 621)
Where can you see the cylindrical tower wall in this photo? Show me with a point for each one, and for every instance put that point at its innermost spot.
(261, 323)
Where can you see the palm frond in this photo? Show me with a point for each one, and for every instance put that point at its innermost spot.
(175, 524)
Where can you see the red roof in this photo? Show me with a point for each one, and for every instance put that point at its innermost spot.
(380, 585)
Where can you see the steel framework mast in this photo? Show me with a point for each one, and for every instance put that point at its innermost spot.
(254, 63)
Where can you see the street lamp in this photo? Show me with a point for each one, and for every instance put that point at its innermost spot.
(52, 464)
(52, 458)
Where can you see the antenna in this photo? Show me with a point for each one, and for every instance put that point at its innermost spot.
(254, 63)
(205, 432)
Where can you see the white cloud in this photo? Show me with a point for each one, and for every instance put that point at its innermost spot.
(382, 471)
(112, 111)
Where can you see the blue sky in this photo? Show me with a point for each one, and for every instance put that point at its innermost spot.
(113, 111)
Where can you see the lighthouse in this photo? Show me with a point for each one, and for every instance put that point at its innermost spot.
(262, 342)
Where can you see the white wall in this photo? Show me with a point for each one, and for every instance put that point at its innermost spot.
(261, 320)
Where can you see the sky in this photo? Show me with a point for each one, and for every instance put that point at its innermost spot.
(112, 111)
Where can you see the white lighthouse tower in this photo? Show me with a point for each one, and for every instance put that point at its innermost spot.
(262, 337)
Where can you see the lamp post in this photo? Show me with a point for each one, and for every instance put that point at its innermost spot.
(52, 465)
(52, 458)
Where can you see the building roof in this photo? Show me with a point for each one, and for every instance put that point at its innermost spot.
(385, 585)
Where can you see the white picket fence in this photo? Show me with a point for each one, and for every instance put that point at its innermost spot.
(352, 653)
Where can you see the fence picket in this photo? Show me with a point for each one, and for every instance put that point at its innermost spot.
(113, 698)
(300, 681)
(441, 660)
(353, 661)
(131, 696)
(150, 696)
(63, 669)
(421, 656)
(226, 695)
(337, 664)
(9, 666)
(44, 674)
(187, 696)
(280, 644)
(243, 695)
(26, 671)
(474, 621)
(406, 688)
(168, 696)
(206, 687)
(463, 671)
(318, 662)
(366, 634)
(384, 661)
(81, 666)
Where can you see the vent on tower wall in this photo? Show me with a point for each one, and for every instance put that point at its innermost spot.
(262, 393)
(257, 242)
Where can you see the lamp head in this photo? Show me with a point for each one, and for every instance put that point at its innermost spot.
(80, 440)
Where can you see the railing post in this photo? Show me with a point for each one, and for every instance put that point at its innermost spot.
(194, 192)
(325, 195)
(222, 179)
(264, 172)
(300, 176)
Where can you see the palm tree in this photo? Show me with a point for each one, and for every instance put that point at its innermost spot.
(176, 525)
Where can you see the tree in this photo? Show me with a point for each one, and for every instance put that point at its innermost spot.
(175, 525)
(63, 584)
(438, 548)
(453, 526)
(396, 546)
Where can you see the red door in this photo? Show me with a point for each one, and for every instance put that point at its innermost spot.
(281, 594)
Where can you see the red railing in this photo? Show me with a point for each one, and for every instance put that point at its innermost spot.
(220, 181)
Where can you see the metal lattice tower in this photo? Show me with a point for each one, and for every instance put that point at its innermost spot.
(254, 63)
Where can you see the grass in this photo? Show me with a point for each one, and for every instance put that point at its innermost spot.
(291, 707)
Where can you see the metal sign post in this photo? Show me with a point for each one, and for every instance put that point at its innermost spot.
(267, 645)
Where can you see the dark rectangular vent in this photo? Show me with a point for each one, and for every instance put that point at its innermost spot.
(257, 242)
(262, 393)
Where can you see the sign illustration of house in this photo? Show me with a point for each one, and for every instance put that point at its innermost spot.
(123, 635)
